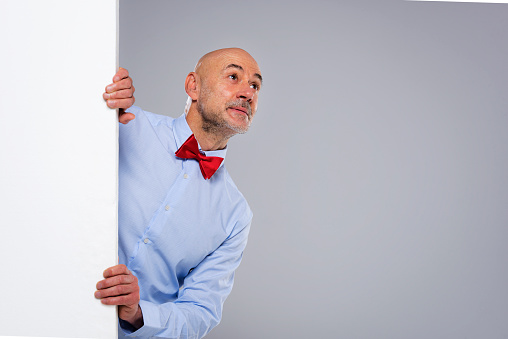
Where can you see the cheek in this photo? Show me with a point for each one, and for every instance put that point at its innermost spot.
(224, 90)
(254, 105)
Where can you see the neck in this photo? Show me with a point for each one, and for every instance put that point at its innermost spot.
(210, 138)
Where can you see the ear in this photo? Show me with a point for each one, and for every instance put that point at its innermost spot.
(191, 85)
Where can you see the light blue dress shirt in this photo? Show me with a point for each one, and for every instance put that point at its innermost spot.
(181, 235)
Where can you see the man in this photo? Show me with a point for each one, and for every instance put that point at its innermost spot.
(183, 224)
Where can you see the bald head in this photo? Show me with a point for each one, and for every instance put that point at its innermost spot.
(225, 56)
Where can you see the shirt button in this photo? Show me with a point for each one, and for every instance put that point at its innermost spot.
(145, 241)
(185, 176)
(166, 208)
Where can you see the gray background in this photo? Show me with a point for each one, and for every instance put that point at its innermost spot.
(376, 166)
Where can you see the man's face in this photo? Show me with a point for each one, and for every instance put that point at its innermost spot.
(228, 96)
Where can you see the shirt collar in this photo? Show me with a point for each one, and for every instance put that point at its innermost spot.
(182, 132)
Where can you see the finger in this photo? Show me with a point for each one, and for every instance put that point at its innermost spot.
(121, 94)
(121, 74)
(120, 103)
(122, 279)
(127, 300)
(117, 291)
(125, 118)
(122, 84)
(115, 270)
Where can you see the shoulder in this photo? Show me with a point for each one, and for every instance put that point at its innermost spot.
(149, 127)
(143, 116)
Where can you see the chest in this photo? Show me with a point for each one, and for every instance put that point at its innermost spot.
(174, 216)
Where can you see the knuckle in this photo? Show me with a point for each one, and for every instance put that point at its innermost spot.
(103, 294)
(110, 301)
(125, 94)
(112, 281)
(110, 292)
(104, 285)
(119, 301)
(125, 279)
(121, 289)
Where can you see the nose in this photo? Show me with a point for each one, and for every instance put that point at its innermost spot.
(246, 92)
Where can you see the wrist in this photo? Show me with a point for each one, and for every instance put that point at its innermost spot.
(136, 320)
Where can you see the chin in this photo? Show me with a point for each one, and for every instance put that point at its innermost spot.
(240, 126)
(239, 129)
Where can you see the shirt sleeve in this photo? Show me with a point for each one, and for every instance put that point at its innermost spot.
(198, 307)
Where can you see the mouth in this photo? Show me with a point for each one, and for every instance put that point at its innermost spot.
(240, 109)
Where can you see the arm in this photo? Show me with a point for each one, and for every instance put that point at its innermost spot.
(198, 307)
(120, 95)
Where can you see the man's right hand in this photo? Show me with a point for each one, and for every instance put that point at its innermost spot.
(120, 287)
(120, 94)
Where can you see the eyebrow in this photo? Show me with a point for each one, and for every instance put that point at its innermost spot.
(257, 75)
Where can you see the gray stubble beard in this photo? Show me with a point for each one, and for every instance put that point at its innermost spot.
(213, 123)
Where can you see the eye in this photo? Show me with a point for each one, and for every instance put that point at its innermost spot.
(233, 76)
(255, 86)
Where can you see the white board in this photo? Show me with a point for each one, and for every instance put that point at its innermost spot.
(58, 166)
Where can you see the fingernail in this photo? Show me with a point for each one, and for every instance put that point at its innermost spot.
(97, 294)
(99, 286)
(107, 96)
(109, 88)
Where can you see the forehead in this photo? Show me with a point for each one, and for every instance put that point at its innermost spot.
(228, 60)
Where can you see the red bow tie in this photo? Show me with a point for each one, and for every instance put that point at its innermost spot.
(190, 150)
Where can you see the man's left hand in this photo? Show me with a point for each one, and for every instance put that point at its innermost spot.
(120, 287)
